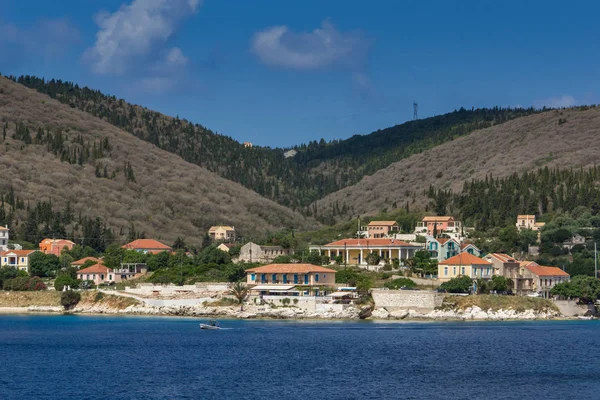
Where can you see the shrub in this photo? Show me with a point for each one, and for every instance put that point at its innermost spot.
(400, 282)
(87, 285)
(387, 267)
(99, 296)
(461, 284)
(64, 280)
(285, 301)
(24, 283)
(69, 299)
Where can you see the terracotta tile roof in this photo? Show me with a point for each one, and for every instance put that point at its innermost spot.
(505, 258)
(146, 244)
(85, 259)
(526, 263)
(382, 223)
(18, 253)
(525, 216)
(437, 219)
(465, 259)
(95, 269)
(465, 245)
(3, 228)
(369, 243)
(57, 241)
(540, 270)
(289, 269)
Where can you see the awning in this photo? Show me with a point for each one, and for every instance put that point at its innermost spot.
(273, 288)
(347, 288)
(339, 294)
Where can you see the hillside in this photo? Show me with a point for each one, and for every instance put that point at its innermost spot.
(556, 138)
(52, 152)
(319, 168)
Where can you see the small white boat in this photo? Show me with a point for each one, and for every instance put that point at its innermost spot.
(212, 325)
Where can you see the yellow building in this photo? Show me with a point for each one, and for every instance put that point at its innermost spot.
(16, 258)
(465, 264)
(222, 233)
(283, 278)
(355, 251)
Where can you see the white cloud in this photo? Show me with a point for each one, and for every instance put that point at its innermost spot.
(277, 46)
(137, 33)
(556, 102)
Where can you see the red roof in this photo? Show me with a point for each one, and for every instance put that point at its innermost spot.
(505, 258)
(437, 219)
(465, 259)
(146, 244)
(382, 223)
(18, 253)
(289, 269)
(369, 243)
(95, 269)
(85, 259)
(540, 270)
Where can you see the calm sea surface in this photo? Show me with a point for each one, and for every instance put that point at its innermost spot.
(101, 357)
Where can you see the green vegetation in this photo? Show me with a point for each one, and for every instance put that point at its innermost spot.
(319, 168)
(7, 273)
(584, 288)
(461, 284)
(24, 284)
(240, 291)
(69, 299)
(399, 283)
(495, 303)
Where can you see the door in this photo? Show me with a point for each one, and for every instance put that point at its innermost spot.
(295, 279)
(306, 279)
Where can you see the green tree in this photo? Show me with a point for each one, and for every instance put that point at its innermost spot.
(240, 291)
(400, 282)
(65, 280)
(43, 265)
(461, 284)
(373, 258)
(585, 288)
(69, 299)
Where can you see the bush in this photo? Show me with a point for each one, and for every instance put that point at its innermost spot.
(461, 284)
(400, 282)
(65, 280)
(87, 285)
(24, 284)
(285, 301)
(99, 296)
(69, 299)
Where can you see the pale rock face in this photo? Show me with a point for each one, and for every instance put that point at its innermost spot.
(400, 314)
(380, 313)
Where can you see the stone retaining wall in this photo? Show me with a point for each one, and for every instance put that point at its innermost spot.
(418, 300)
(570, 308)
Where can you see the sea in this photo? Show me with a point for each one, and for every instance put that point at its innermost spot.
(125, 357)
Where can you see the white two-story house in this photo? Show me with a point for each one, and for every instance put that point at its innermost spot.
(4, 238)
(16, 258)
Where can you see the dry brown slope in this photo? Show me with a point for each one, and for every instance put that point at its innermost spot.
(515, 146)
(171, 197)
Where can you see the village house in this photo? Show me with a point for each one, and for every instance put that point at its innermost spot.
(510, 268)
(434, 226)
(471, 249)
(97, 273)
(4, 238)
(355, 251)
(147, 246)
(222, 233)
(252, 252)
(225, 247)
(291, 280)
(465, 264)
(541, 279)
(18, 259)
(55, 246)
(382, 229)
(574, 241)
(528, 222)
(248, 145)
(442, 248)
(79, 263)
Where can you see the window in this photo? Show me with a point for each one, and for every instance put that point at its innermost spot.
(462, 270)
(445, 271)
(110, 278)
(295, 278)
(263, 278)
(252, 277)
(454, 271)
(273, 278)
(316, 277)
(324, 276)
(22, 259)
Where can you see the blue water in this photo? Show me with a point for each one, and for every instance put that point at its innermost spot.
(101, 357)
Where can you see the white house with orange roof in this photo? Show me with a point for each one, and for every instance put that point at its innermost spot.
(437, 225)
(465, 264)
(4, 237)
(527, 221)
(382, 229)
(97, 273)
(79, 263)
(18, 259)
(542, 279)
(355, 251)
(147, 246)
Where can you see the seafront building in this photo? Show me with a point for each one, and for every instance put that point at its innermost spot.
(355, 251)
(541, 279)
(18, 259)
(465, 264)
(291, 280)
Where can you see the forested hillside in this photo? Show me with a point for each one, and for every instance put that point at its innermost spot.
(557, 139)
(67, 173)
(318, 169)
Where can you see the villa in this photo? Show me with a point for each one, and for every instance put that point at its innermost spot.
(355, 251)
(290, 279)
(252, 252)
(382, 229)
(542, 279)
(433, 226)
(528, 222)
(508, 267)
(97, 273)
(147, 246)
(55, 246)
(222, 233)
(79, 263)
(465, 264)
(16, 258)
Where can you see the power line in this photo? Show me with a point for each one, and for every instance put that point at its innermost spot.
(415, 111)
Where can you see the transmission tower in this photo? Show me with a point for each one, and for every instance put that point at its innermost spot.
(415, 110)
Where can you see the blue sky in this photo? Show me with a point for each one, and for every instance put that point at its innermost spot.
(278, 72)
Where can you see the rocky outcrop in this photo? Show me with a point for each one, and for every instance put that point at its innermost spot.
(471, 313)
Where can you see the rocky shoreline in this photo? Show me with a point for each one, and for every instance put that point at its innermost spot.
(352, 313)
